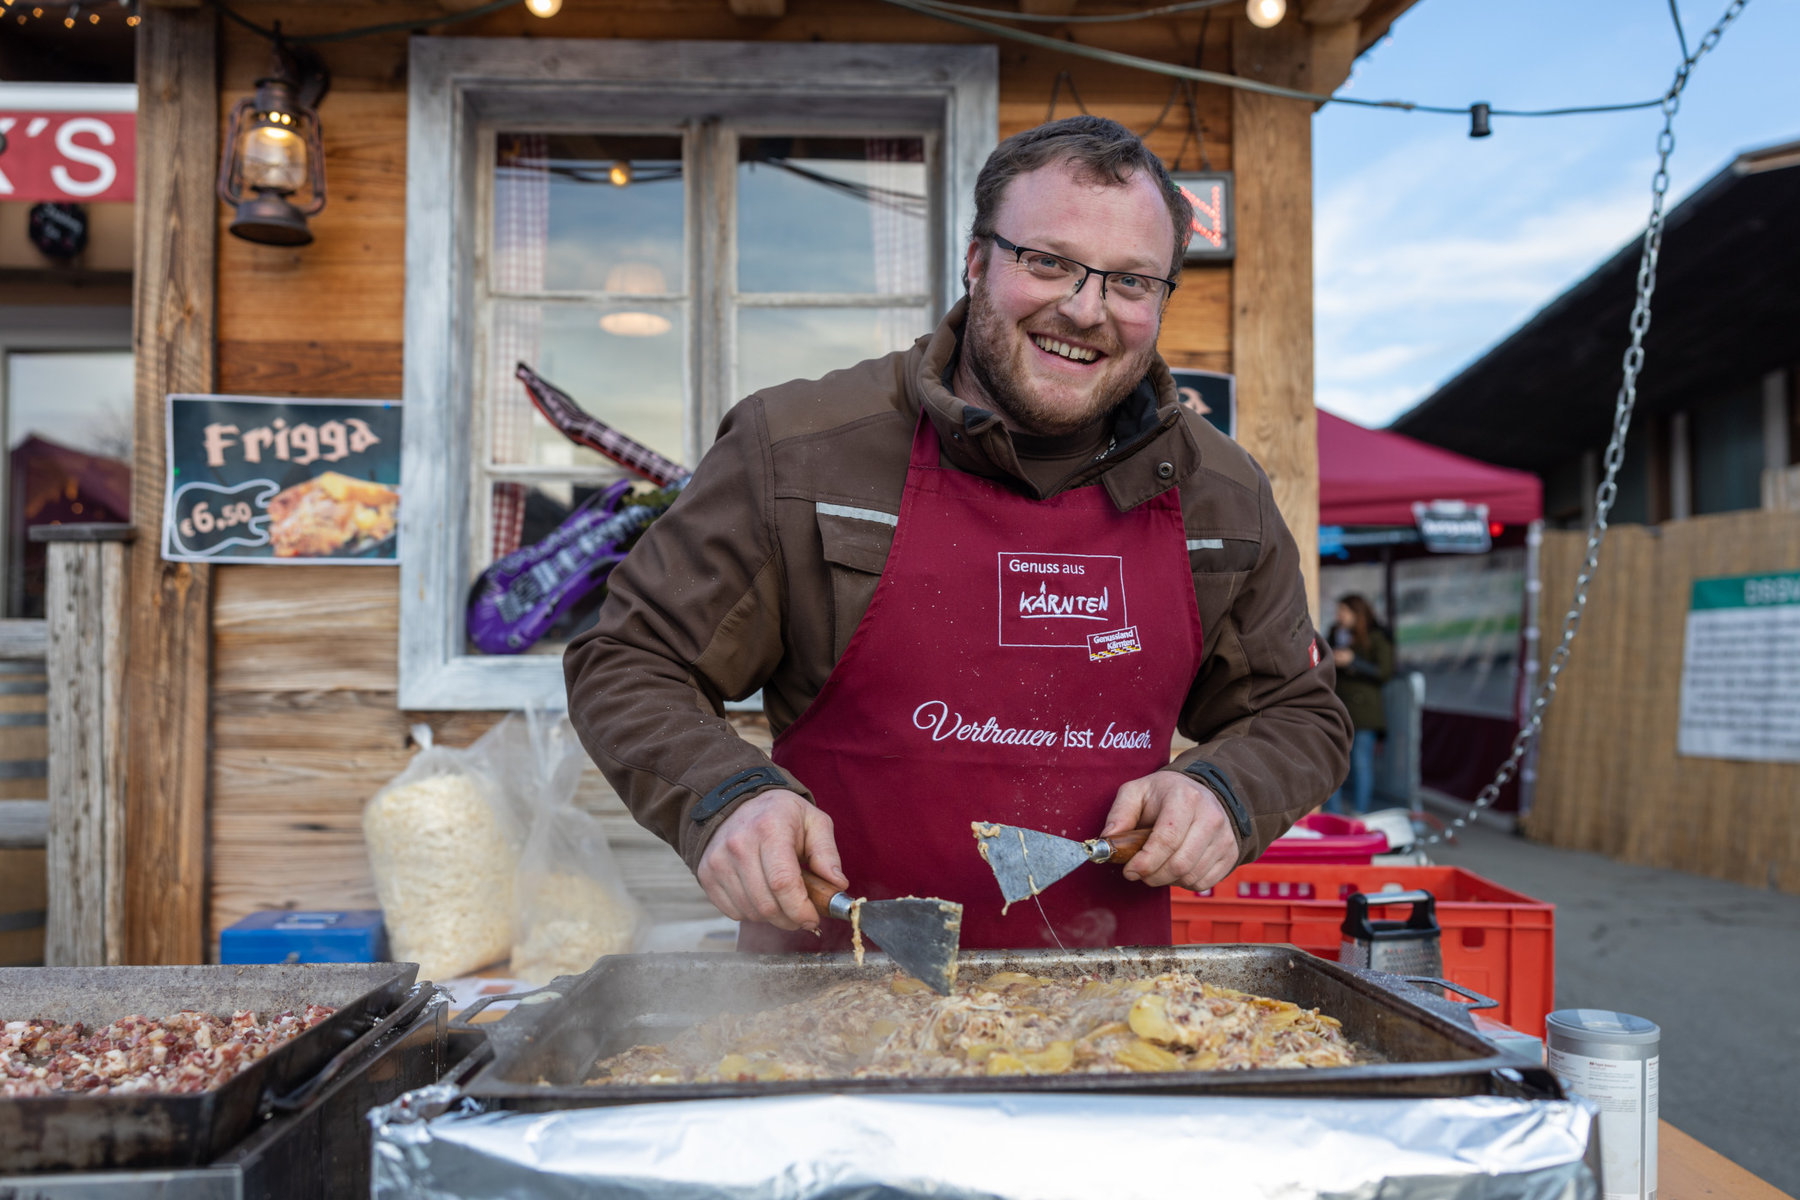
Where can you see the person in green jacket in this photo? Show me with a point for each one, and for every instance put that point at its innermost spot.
(1365, 660)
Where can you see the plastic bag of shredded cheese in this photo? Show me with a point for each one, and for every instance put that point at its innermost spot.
(571, 906)
(443, 845)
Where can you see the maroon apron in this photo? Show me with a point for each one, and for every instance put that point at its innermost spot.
(1019, 661)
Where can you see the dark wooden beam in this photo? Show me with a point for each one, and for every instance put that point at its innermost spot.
(171, 603)
(1377, 19)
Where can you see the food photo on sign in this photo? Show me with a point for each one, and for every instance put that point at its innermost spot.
(259, 480)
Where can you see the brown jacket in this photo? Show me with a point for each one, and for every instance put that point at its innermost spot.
(756, 578)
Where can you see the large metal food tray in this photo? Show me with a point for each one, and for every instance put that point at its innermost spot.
(82, 1131)
(544, 1051)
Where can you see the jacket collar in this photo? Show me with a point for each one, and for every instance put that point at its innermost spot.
(1147, 428)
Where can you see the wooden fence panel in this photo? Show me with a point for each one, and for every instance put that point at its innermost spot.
(1609, 777)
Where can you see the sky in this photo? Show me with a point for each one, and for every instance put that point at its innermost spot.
(1430, 246)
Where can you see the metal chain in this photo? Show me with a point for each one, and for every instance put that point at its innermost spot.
(1608, 490)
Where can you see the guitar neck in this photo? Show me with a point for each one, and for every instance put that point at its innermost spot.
(585, 429)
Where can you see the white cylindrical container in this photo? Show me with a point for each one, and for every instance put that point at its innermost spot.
(1611, 1058)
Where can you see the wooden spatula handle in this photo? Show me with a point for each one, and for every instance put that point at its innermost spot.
(819, 892)
(1126, 844)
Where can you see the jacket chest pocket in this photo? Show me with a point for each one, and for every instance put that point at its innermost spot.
(1220, 566)
(855, 551)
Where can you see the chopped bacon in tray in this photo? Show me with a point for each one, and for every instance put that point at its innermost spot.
(182, 1052)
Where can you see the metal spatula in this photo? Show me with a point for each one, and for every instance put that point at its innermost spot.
(1026, 861)
(920, 934)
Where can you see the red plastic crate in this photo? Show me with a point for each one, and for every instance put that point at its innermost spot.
(1496, 941)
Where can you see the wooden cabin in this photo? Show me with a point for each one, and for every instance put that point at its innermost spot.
(265, 705)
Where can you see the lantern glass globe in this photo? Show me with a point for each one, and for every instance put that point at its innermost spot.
(1266, 14)
(274, 159)
(544, 8)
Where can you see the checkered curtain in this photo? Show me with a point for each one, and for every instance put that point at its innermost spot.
(521, 234)
(899, 234)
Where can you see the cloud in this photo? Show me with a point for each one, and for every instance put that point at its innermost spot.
(1377, 362)
(1436, 249)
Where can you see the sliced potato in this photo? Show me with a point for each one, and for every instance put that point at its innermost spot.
(1145, 1056)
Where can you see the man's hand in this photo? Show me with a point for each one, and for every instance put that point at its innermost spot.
(751, 868)
(1191, 843)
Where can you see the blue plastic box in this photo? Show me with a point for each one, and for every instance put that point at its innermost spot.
(284, 936)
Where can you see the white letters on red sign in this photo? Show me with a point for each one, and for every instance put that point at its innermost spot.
(68, 157)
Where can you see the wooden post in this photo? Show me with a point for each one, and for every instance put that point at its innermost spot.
(176, 286)
(86, 615)
(1271, 280)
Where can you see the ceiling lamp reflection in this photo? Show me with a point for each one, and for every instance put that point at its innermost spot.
(1266, 14)
(636, 279)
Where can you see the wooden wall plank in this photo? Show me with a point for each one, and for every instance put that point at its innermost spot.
(330, 368)
(23, 899)
(1609, 775)
(174, 313)
(295, 628)
(75, 611)
(1272, 295)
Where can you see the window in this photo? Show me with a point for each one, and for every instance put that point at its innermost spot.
(713, 218)
(66, 407)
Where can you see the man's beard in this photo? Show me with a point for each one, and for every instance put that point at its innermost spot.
(987, 338)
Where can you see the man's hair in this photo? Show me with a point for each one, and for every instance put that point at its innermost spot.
(1101, 151)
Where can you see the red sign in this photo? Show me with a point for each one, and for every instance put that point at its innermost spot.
(68, 156)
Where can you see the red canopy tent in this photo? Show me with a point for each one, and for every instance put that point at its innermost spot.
(1372, 477)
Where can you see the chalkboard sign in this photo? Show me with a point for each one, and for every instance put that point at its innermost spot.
(257, 480)
(1211, 394)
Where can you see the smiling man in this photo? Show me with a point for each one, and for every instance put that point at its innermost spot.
(984, 579)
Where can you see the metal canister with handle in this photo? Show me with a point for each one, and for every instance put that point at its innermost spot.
(1408, 947)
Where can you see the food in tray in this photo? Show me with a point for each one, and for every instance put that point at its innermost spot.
(331, 514)
(183, 1052)
(1006, 1024)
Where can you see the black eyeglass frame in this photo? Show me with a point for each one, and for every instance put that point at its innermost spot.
(1019, 253)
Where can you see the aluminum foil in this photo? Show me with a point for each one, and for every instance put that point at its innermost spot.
(989, 1147)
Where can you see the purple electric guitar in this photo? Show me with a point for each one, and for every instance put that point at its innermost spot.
(520, 597)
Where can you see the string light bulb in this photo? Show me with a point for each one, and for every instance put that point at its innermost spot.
(620, 174)
(1266, 14)
(544, 8)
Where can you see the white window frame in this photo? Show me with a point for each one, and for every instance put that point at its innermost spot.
(461, 87)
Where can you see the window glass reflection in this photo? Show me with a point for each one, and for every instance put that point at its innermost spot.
(588, 212)
(832, 215)
(779, 344)
(68, 438)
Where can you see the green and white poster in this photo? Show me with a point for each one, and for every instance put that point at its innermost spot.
(1740, 671)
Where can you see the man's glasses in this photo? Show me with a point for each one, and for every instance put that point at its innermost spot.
(1053, 270)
